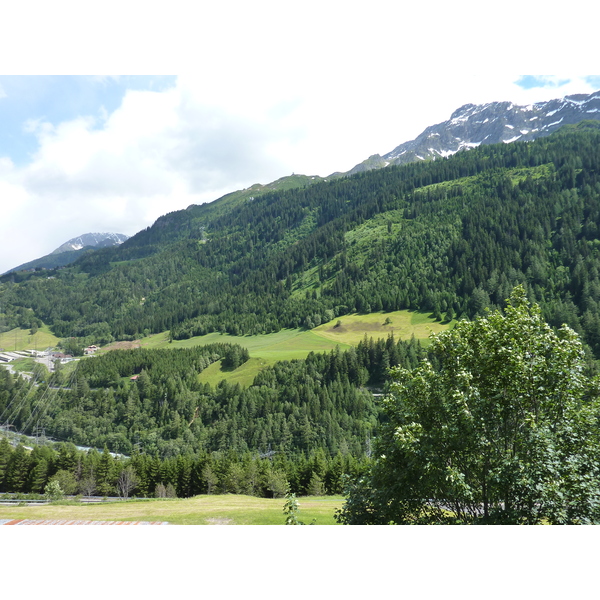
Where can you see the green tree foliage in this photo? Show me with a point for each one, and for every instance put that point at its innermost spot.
(293, 406)
(17, 470)
(105, 474)
(53, 491)
(235, 472)
(5, 453)
(290, 509)
(501, 426)
(66, 480)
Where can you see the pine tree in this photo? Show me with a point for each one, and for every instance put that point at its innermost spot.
(38, 478)
(5, 455)
(17, 470)
(104, 474)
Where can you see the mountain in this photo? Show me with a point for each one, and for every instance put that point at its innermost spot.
(473, 125)
(92, 240)
(449, 236)
(70, 251)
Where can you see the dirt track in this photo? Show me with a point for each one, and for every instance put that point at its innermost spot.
(123, 345)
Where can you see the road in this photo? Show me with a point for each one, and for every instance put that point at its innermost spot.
(47, 361)
(13, 372)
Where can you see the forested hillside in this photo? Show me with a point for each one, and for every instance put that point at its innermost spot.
(452, 236)
(293, 407)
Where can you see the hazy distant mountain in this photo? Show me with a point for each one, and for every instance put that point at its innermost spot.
(94, 240)
(475, 124)
(70, 251)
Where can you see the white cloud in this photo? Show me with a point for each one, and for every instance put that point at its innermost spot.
(159, 151)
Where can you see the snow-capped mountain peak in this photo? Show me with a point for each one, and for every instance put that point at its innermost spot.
(474, 124)
(95, 240)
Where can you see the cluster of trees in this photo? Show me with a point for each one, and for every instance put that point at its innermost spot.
(453, 236)
(499, 423)
(294, 406)
(96, 473)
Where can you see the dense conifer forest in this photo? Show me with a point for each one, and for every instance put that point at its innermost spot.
(299, 421)
(151, 401)
(95, 473)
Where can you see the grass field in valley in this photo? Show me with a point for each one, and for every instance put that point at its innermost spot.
(265, 350)
(21, 339)
(289, 344)
(225, 509)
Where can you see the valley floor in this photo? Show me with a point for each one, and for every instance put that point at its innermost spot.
(228, 509)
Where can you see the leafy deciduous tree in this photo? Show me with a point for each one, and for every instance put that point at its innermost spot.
(126, 482)
(502, 427)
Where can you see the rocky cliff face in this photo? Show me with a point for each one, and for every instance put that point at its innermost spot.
(472, 125)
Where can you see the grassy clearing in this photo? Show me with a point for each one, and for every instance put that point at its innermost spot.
(286, 344)
(244, 374)
(290, 344)
(402, 323)
(201, 510)
(309, 280)
(265, 351)
(376, 228)
(23, 365)
(20, 339)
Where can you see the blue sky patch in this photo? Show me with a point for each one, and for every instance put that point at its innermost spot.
(528, 82)
(593, 80)
(55, 99)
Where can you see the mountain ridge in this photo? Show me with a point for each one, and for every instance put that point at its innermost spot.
(71, 250)
(414, 236)
(472, 125)
(94, 240)
(476, 124)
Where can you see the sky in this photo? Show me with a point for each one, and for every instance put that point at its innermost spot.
(249, 93)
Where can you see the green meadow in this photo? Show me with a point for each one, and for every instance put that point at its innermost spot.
(21, 339)
(228, 509)
(265, 350)
(403, 324)
(290, 344)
